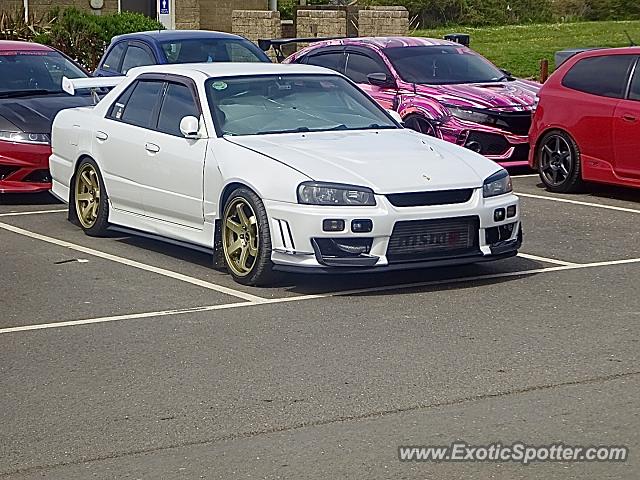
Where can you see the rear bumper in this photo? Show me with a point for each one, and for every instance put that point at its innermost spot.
(24, 168)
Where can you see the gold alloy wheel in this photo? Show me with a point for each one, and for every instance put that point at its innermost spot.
(87, 195)
(240, 237)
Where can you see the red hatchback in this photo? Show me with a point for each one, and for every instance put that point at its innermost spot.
(30, 97)
(587, 123)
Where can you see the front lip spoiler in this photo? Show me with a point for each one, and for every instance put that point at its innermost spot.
(403, 266)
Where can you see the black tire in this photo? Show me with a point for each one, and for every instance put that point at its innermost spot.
(559, 162)
(256, 269)
(97, 226)
(420, 124)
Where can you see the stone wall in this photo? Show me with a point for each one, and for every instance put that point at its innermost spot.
(321, 23)
(217, 14)
(187, 14)
(383, 21)
(257, 24)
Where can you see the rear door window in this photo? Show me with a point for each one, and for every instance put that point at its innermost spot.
(178, 103)
(136, 56)
(140, 109)
(114, 57)
(333, 60)
(605, 76)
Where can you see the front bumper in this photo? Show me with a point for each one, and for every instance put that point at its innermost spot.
(505, 148)
(297, 231)
(24, 168)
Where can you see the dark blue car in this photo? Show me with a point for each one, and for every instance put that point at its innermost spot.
(175, 46)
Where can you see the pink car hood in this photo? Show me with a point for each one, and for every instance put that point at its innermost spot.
(517, 95)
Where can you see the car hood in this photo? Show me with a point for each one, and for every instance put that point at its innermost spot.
(517, 95)
(387, 161)
(35, 114)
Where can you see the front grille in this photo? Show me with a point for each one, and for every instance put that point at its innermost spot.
(417, 240)
(514, 122)
(6, 170)
(438, 197)
(490, 143)
(38, 176)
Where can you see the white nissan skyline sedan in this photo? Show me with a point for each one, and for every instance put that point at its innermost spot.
(276, 167)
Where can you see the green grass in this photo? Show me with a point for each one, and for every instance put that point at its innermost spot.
(519, 48)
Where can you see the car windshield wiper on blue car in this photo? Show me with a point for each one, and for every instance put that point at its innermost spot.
(27, 93)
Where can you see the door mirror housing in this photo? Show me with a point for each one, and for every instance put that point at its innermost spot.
(381, 80)
(396, 116)
(190, 127)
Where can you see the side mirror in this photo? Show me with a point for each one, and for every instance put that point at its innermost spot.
(190, 127)
(380, 80)
(396, 116)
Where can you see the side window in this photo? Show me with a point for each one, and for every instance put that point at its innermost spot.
(604, 76)
(178, 103)
(139, 109)
(359, 66)
(136, 57)
(112, 62)
(634, 91)
(334, 61)
(117, 107)
(236, 52)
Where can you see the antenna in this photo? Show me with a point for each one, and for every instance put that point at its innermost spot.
(631, 42)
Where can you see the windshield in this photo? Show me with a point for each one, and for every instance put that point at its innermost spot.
(24, 72)
(442, 64)
(205, 50)
(291, 103)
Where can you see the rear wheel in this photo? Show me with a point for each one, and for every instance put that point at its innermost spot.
(90, 199)
(420, 124)
(559, 162)
(246, 239)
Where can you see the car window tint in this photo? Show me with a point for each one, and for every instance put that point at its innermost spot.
(604, 76)
(136, 57)
(334, 61)
(359, 66)
(112, 61)
(634, 91)
(238, 52)
(203, 50)
(178, 103)
(140, 107)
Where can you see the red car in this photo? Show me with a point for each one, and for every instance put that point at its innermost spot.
(30, 97)
(587, 123)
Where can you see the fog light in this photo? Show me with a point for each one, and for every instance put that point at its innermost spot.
(511, 211)
(333, 225)
(498, 215)
(361, 226)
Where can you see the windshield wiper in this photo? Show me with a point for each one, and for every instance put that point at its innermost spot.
(293, 130)
(26, 93)
(375, 126)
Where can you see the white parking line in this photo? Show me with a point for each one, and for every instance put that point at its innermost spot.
(132, 263)
(528, 256)
(578, 202)
(33, 212)
(526, 175)
(206, 308)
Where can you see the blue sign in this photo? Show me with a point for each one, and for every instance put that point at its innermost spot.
(164, 7)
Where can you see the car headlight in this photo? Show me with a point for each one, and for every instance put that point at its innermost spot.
(469, 115)
(497, 184)
(317, 193)
(21, 137)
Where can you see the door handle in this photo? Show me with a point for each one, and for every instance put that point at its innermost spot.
(101, 135)
(628, 118)
(151, 147)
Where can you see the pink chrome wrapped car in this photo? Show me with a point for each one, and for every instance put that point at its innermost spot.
(438, 87)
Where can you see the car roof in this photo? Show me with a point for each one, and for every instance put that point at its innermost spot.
(230, 69)
(599, 52)
(389, 42)
(13, 45)
(172, 35)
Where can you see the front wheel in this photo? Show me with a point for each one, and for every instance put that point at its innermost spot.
(90, 203)
(559, 162)
(246, 239)
(420, 124)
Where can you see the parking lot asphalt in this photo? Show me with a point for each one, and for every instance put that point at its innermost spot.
(124, 357)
